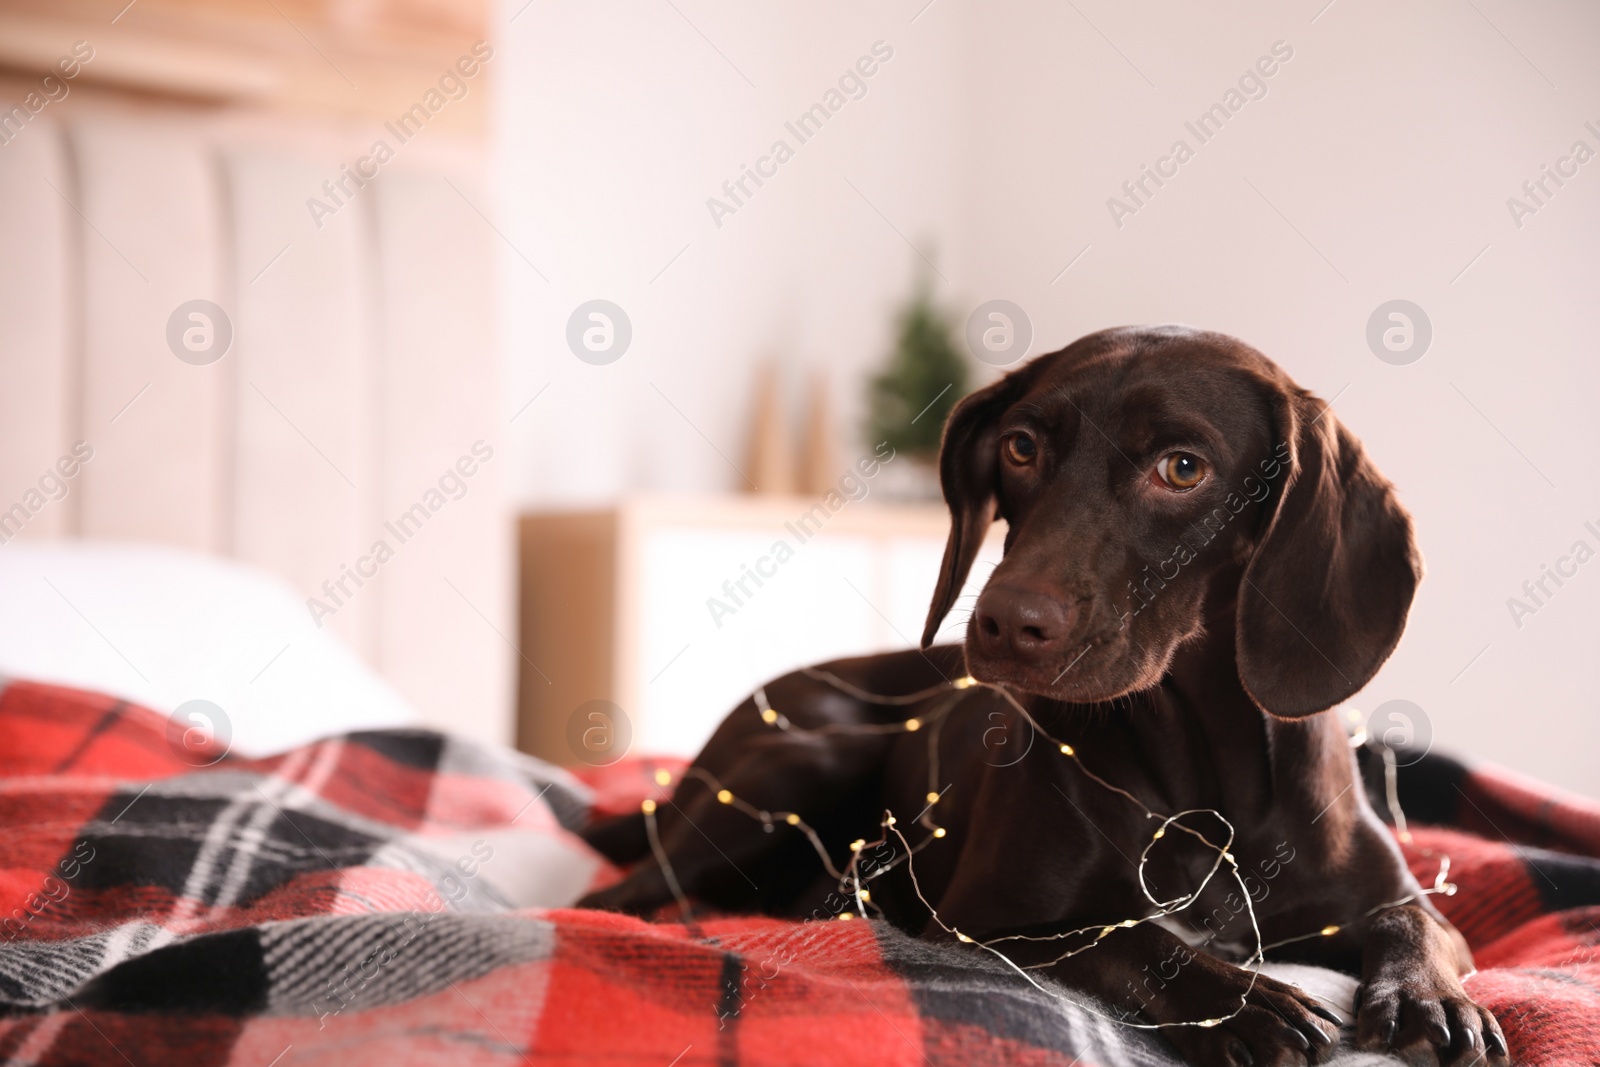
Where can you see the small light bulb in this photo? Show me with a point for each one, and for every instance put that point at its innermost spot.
(1329, 931)
(913, 725)
(648, 807)
(963, 938)
(792, 819)
(1067, 750)
(857, 845)
(724, 796)
(933, 798)
(769, 716)
(938, 831)
(866, 896)
(663, 777)
(845, 916)
(966, 682)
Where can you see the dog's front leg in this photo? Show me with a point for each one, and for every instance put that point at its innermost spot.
(1411, 1000)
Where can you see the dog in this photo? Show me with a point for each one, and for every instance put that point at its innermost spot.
(1200, 561)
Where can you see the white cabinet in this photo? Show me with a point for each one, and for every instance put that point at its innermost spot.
(674, 609)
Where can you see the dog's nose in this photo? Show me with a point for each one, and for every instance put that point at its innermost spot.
(1026, 623)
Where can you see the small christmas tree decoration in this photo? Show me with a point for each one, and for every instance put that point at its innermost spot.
(925, 376)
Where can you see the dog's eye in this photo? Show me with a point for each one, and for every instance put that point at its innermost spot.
(1020, 449)
(1181, 471)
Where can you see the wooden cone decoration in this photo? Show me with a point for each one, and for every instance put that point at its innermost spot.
(771, 464)
(819, 456)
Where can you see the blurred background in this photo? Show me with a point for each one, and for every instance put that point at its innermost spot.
(630, 288)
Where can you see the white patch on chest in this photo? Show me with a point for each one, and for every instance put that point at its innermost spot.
(1200, 939)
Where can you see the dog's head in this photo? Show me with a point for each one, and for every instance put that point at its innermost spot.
(1148, 475)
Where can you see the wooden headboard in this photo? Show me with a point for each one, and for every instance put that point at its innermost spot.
(362, 369)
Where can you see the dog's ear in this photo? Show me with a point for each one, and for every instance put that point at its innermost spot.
(1325, 596)
(969, 470)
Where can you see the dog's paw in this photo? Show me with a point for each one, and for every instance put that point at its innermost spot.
(1427, 1020)
(1279, 1025)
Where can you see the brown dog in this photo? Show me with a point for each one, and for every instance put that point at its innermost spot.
(1200, 560)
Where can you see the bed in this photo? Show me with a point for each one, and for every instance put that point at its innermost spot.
(351, 382)
(397, 897)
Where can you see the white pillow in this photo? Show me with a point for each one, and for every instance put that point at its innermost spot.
(162, 627)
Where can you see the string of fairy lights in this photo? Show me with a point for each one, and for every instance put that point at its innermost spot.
(854, 881)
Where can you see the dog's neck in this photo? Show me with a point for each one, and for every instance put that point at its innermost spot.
(1203, 681)
(1198, 728)
(1204, 672)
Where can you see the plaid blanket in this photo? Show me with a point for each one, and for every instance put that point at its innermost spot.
(373, 898)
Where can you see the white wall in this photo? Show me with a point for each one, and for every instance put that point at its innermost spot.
(1377, 166)
(619, 121)
(1391, 142)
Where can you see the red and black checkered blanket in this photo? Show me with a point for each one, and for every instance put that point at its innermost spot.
(363, 900)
